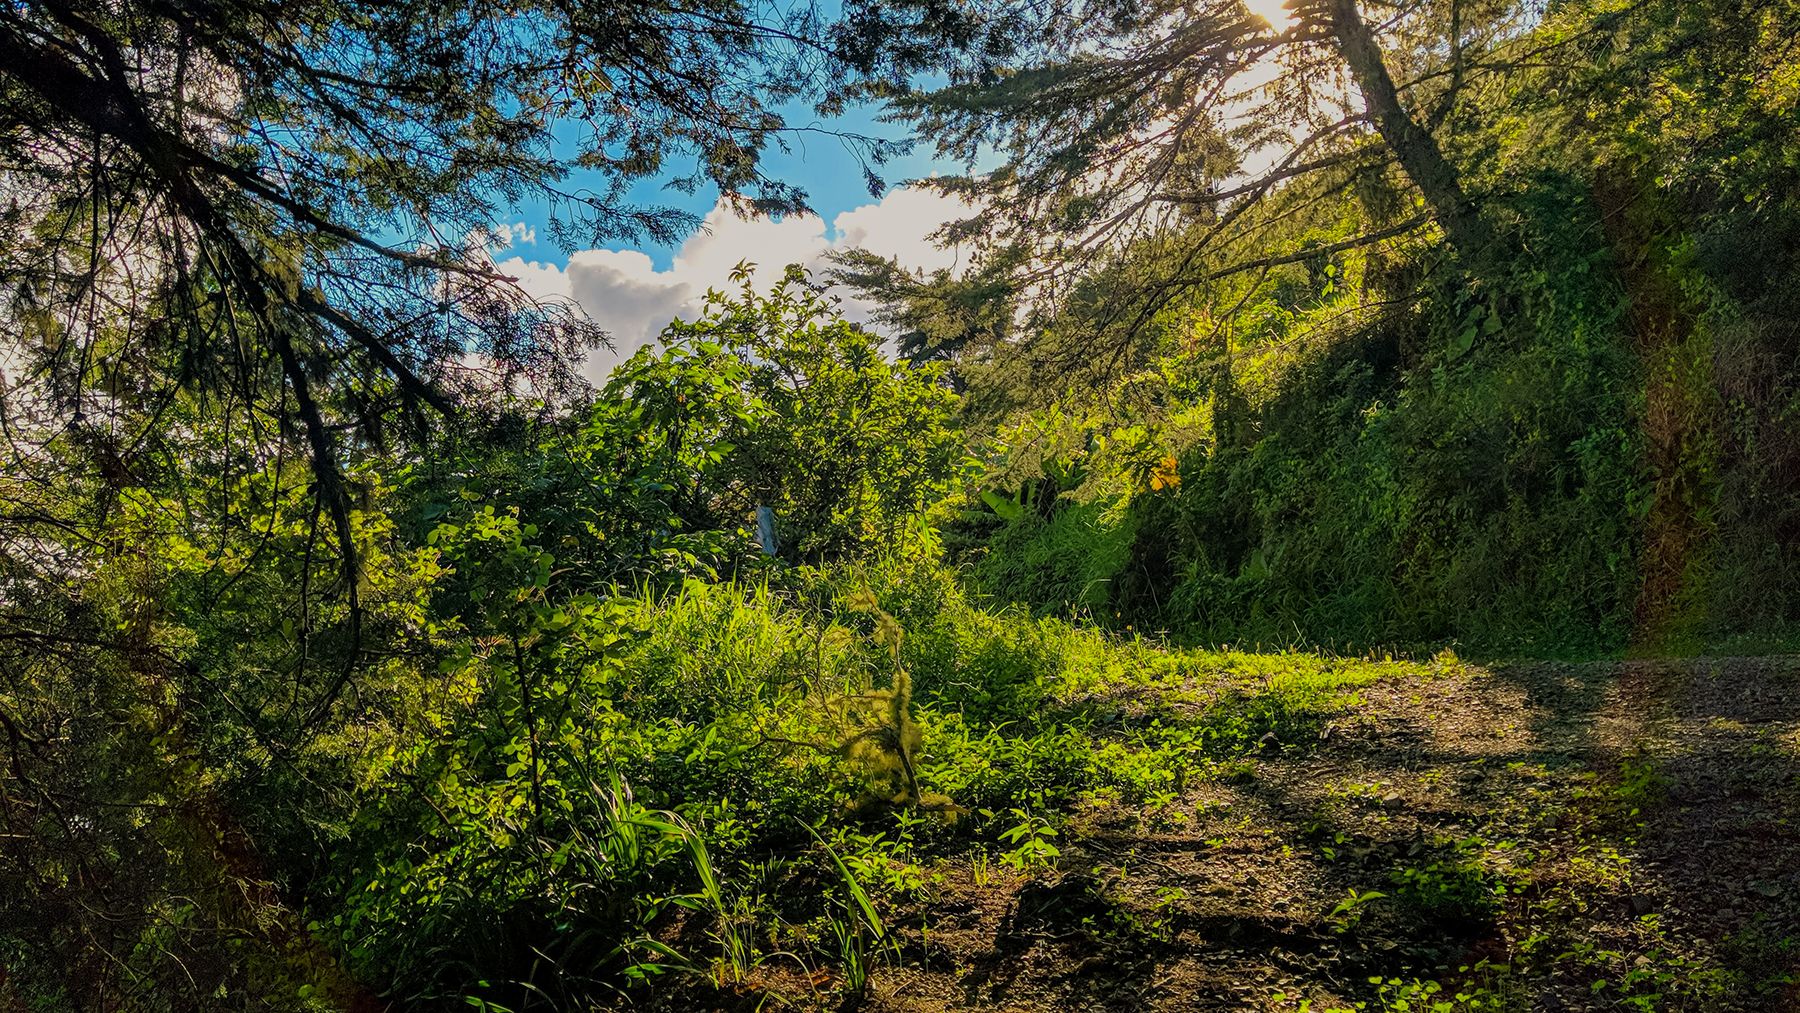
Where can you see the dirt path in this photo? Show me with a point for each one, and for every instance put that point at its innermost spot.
(1537, 837)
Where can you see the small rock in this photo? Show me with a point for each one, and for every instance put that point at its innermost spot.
(1393, 800)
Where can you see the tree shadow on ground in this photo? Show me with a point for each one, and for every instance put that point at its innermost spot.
(1658, 802)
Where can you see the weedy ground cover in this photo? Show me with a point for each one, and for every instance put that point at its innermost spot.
(865, 788)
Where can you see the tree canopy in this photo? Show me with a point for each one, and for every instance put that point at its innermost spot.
(288, 207)
(1122, 125)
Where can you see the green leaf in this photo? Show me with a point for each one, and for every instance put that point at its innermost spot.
(1008, 508)
(1465, 340)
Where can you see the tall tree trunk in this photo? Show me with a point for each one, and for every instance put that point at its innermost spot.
(1412, 144)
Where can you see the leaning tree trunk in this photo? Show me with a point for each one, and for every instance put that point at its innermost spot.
(1412, 144)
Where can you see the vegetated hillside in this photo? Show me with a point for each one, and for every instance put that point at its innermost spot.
(1584, 444)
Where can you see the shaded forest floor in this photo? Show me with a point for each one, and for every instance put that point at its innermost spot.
(1596, 836)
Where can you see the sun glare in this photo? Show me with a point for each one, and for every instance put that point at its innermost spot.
(1270, 11)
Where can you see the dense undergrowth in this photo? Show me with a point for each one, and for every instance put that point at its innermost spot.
(1591, 452)
(715, 728)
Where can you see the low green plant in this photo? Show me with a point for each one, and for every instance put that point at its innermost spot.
(733, 927)
(1455, 884)
(981, 870)
(859, 930)
(1348, 913)
(1032, 839)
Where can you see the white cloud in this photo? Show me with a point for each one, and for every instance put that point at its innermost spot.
(624, 292)
(502, 237)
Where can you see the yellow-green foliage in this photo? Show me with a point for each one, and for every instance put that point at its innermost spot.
(888, 748)
(1587, 447)
(761, 715)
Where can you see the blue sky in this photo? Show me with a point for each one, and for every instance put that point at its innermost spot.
(635, 289)
(820, 164)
